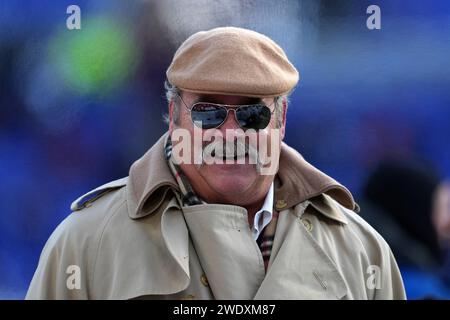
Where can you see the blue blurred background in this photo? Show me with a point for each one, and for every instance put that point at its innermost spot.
(77, 107)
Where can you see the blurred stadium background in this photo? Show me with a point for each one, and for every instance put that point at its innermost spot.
(77, 107)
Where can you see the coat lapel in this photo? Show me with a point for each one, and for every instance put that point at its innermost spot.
(148, 257)
(228, 254)
(299, 268)
(176, 238)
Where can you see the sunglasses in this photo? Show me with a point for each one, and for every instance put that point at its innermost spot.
(207, 115)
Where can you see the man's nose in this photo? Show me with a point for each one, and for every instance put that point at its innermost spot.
(230, 122)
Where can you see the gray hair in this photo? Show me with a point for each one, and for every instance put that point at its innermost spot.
(173, 95)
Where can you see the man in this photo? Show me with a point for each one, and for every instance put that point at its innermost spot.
(219, 207)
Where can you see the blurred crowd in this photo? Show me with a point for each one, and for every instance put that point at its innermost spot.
(372, 109)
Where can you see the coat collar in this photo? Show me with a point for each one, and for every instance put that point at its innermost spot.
(150, 181)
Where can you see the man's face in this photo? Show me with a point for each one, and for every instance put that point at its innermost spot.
(229, 178)
(441, 213)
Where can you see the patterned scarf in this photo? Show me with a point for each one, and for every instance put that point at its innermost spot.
(189, 198)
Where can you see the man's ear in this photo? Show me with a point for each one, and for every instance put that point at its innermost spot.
(171, 106)
(283, 124)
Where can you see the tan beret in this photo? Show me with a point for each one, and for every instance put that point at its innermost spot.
(232, 61)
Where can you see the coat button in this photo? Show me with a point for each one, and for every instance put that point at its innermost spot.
(307, 223)
(280, 204)
(204, 280)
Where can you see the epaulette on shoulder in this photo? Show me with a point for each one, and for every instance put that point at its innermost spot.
(87, 199)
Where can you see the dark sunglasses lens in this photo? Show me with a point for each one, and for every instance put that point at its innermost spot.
(209, 115)
(253, 117)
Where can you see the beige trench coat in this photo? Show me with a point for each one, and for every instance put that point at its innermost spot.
(130, 238)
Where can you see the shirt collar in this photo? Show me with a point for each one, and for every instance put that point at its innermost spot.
(264, 215)
(268, 201)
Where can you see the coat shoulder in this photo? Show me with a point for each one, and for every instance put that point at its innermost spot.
(83, 227)
(75, 242)
(90, 215)
(93, 209)
(369, 237)
(362, 243)
(88, 198)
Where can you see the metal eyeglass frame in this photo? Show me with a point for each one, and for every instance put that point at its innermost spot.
(227, 108)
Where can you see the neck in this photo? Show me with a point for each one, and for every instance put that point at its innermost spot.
(252, 209)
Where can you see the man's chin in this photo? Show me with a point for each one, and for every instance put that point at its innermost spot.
(230, 179)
